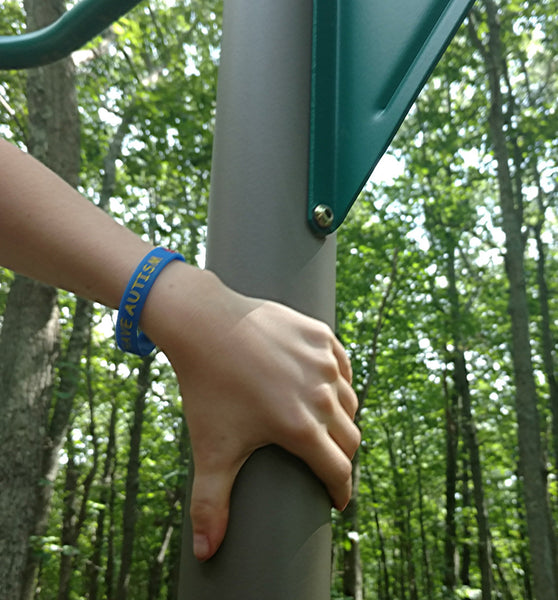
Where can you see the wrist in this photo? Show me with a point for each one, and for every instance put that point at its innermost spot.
(181, 305)
(128, 335)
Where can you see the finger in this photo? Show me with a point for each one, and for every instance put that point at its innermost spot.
(345, 433)
(334, 468)
(209, 510)
(344, 362)
(334, 406)
(347, 397)
(329, 462)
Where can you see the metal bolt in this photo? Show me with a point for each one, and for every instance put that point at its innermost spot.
(323, 216)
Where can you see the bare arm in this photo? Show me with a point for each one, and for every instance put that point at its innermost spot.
(248, 366)
(49, 232)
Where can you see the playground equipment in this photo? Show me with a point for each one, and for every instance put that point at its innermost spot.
(310, 94)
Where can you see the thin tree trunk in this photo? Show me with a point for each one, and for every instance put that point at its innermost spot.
(525, 563)
(539, 524)
(75, 514)
(383, 580)
(450, 536)
(426, 571)
(173, 573)
(547, 338)
(465, 567)
(506, 594)
(130, 514)
(95, 564)
(399, 519)
(352, 566)
(111, 543)
(409, 557)
(170, 531)
(68, 523)
(156, 569)
(547, 341)
(470, 438)
(469, 430)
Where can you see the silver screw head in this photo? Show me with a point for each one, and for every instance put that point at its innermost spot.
(323, 216)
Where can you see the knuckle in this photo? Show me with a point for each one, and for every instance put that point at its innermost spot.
(301, 429)
(324, 330)
(330, 368)
(324, 400)
(208, 504)
(322, 335)
(201, 510)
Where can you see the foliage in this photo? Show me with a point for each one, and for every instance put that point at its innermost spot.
(146, 92)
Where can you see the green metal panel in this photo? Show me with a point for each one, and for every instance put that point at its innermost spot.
(370, 61)
(72, 30)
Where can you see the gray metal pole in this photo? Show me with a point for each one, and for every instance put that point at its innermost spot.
(278, 544)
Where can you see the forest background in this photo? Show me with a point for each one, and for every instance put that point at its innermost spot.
(447, 305)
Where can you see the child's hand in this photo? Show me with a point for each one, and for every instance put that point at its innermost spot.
(252, 373)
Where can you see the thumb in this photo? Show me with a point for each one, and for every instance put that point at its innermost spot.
(209, 510)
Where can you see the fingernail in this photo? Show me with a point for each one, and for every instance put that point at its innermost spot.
(201, 546)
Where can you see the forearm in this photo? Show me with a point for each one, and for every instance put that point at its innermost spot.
(49, 232)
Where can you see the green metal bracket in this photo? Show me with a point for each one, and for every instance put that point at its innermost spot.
(370, 61)
(71, 31)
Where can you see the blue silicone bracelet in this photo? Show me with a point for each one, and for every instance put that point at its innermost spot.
(128, 336)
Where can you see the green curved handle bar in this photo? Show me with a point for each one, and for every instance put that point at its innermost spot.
(71, 31)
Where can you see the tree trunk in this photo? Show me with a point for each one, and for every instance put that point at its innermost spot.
(450, 535)
(69, 518)
(428, 588)
(156, 569)
(29, 341)
(352, 566)
(547, 341)
(110, 571)
(504, 592)
(353, 585)
(95, 565)
(524, 560)
(409, 555)
(69, 373)
(469, 430)
(185, 463)
(470, 438)
(465, 567)
(75, 512)
(130, 514)
(28, 347)
(384, 592)
(400, 504)
(539, 525)
(169, 552)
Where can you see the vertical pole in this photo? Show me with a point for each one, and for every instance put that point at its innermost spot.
(278, 543)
